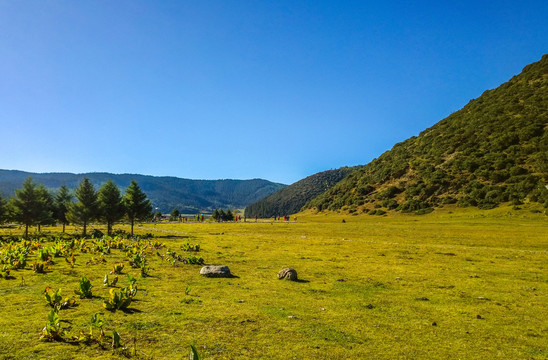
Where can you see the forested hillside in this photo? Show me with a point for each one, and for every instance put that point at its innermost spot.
(292, 198)
(165, 193)
(493, 150)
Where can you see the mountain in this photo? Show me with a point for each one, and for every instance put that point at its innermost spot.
(165, 193)
(493, 150)
(291, 199)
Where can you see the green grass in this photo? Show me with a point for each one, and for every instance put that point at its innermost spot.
(363, 294)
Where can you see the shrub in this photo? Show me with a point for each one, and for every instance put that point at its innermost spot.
(84, 288)
(390, 204)
(424, 211)
(117, 301)
(117, 269)
(52, 331)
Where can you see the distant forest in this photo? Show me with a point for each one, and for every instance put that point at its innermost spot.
(292, 198)
(165, 193)
(34, 205)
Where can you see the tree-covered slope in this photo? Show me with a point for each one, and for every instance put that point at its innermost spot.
(292, 198)
(165, 193)
(493, 150)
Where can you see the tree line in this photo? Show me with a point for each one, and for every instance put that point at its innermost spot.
(34, 205)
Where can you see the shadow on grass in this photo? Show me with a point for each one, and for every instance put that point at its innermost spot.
(231, 276)
(175, 237)
(302, 281)
(131, 311)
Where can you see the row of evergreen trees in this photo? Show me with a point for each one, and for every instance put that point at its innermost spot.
(34, 205)
(221, 215)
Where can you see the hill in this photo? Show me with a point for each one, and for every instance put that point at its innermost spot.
(165, 193)
(292, 198)
(493, 150)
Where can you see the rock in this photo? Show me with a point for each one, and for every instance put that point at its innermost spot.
(216, 271)
(288, 273)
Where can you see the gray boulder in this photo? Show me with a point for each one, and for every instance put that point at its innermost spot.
(288, 273)
(217, 271)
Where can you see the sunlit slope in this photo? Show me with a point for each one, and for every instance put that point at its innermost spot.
(291, 199)
(493, 150)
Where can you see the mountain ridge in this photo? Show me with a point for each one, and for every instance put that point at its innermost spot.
(165, 192)
(493, 150)
(292, 198)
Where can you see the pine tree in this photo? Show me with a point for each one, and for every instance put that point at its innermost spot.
(46, 207)
(138, 207)
(111, 208)
(86, 209)
(25, 205)
(62, 202)
(229, 215)
(174, 215)
(215, 215)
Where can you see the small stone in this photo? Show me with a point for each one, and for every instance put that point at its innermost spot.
(398, 278)
(322, 309)
(291, 317)
(288, 273)
(240, 301)
(216, 271)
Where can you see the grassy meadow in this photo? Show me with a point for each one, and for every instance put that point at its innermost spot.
(454, 284)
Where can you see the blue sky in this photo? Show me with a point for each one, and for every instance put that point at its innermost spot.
(244, 89)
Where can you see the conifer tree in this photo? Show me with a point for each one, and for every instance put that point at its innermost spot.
(62, 202)
(46, 207)
(86, 209)
(25, 205)
(137, 206)
(111, 208)
(175, 214)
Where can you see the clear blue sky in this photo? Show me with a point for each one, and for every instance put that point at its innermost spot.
(244, 89)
